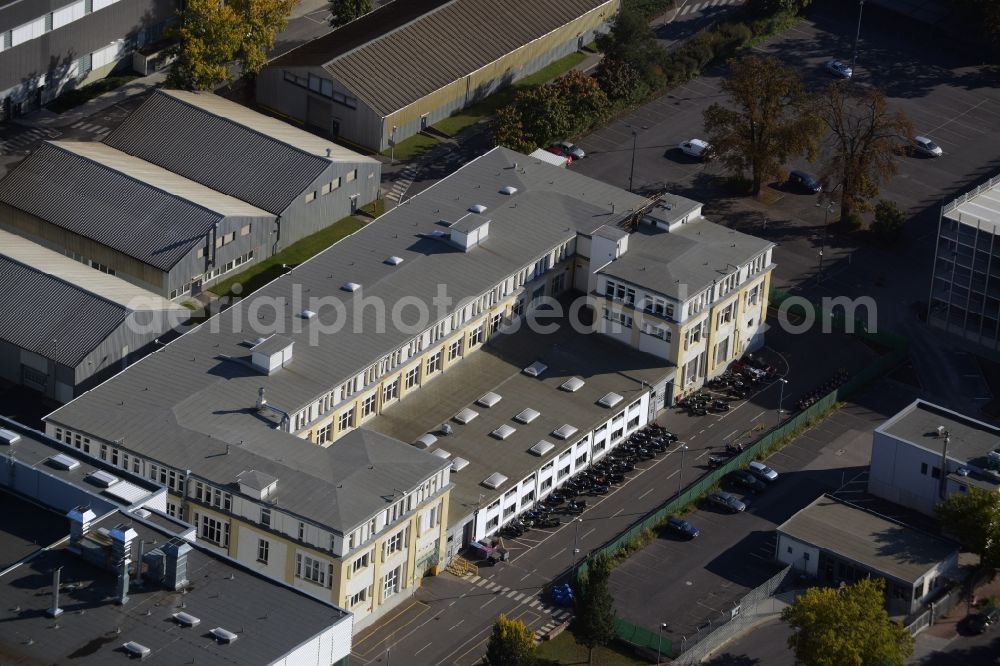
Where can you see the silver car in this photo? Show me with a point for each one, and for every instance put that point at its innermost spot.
(841, 69)
(762, 471)
(572, 149)
(726, 501)
(926, 146)
(695, 148)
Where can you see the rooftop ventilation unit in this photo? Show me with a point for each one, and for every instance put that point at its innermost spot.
(351, 286)
(564, 431)
(508, 190)
(466, 415)
(458, 464)
(63, 461)
(479, 209)
(256, 484)
(102, 479)
(186, 619)
(542, 448)
(572, 385)
(8, 436)
(527, 415)
(494, 480)
(489, 399)
(504, 431)
(307, 314)
(469, 231)
(425, 441)
(535, 369)
(610, 400)
(223, 635)
(441, 453)
(394, 260)
(136, 649)
(271, 353)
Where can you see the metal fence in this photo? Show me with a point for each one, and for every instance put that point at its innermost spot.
(936, 610)
(622, 544)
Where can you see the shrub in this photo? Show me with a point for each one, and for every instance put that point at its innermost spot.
(889, 221)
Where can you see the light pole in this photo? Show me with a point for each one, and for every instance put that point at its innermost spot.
(631, 172)
(659, 642)
(576, 544)
(781, 397)
(680, 473)
(826, 219)
(857, 35)
(392, 147)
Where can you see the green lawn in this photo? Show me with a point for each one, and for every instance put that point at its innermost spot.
(261, 273)
(470, 116)
(414, 146)
(563, 649)
(375, 208)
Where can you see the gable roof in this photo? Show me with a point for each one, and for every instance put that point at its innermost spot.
(131, 206)
(406, 62)
(228, 147)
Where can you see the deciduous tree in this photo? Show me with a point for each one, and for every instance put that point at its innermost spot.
(260, 22)
(973, 517)
(846, 626)
(208, 37)
(508, 130)
(345, 11)
(621, 82)
(510, 644)
(866, 139)
(595, 616)
(766, 122)
(889, 221)
(588, 102)
(546, 116)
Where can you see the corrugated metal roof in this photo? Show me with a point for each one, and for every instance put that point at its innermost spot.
(228, 147)
(108, 206)
(50, 317)
(403, 65)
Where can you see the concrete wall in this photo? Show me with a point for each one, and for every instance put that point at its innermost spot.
(904, 473)
(801, 556)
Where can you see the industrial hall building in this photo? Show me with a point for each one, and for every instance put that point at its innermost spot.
(190, 188)
(376, 407)
(403, 67)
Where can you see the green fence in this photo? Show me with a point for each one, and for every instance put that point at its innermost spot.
(644, 638)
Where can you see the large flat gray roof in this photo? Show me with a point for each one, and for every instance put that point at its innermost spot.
(970, 440)
(194, 376)
(879, 543)
(269, 618)
(602, 363)
(978, 208)
(410, 60)
(683, 262)
(228, 147)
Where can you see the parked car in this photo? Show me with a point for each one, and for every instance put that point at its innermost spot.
(557, 150)
(571, 149)
(980, 622)
(726, 501)
(762, 471)
(926, 146)
(695, 148)
(744, 480)
(682, 528)
(840, 69)
(800, 180)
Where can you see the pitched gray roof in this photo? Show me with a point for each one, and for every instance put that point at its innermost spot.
(227, 147)
(403, 65)
(683, 262)
(113, 208)
(50, 317)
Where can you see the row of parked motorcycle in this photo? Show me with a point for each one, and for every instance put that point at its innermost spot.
(835, 381)
(597, 480)
(735, 383)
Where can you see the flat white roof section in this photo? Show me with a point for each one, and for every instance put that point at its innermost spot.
(466, 415)
(503, 432)
(494, 480)
(610, 400)
(489, 399)
(978, 208)
(527, 415)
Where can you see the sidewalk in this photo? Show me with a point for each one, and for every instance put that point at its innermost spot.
(46, 118)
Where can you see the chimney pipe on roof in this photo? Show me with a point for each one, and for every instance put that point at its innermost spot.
(121, 556)
(55, 611)
(80, 519)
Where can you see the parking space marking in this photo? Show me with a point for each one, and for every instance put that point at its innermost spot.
(646, 493)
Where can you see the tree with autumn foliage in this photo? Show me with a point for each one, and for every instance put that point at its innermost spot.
(767, 120)
(261, 21)
(508, 130)
(622, 83)
(345, 11)
(846, 626)
(510, 644)
(588, 103)
(866, 140)
(546, 115)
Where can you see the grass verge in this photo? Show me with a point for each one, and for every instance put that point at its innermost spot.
(374, 209)
(74, 98)
(261, 273)
(452, 125)
(563, 649)
(412, 147)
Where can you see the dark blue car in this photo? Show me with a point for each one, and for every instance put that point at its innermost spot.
(682, 528)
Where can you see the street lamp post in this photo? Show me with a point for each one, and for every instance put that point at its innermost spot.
(631, 172)
(680, 473)
(659, 642)
(826, 220)
(781, 397)
(857, 35)
(576, 544)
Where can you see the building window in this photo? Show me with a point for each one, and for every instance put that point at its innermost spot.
(390, 583)
(390, 391)
(265, 517)
(361, 563)
(411, 377)
(325, 189)
(476, 336)
(352, 175)
(433, 363)
(323, 434)
(935, 472)
(263, 548)
(357, 598)
(311, 569)
(722, 351)
(394, 544)
(214, 531)
(454, 350)
(302, 531)
(310, 196)
(368, 406)
(335, 184)
(345, 420)
(245, 230)
(923, 468)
